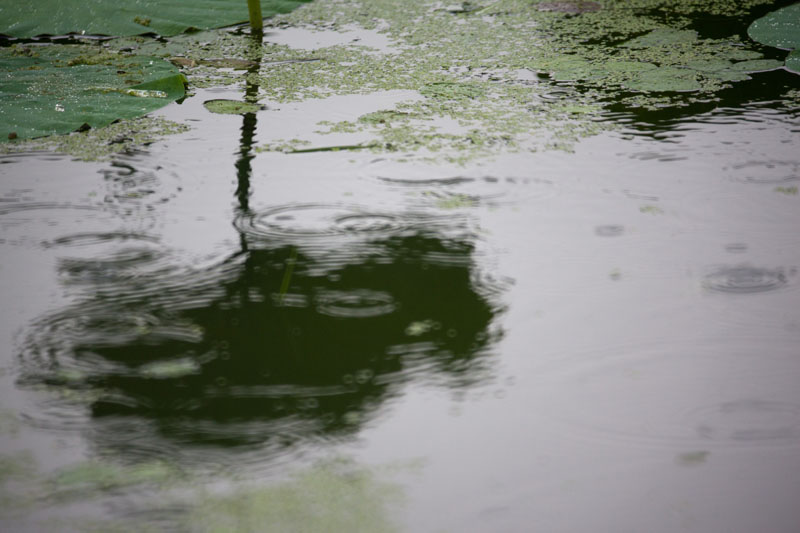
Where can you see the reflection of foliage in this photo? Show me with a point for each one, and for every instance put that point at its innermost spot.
(254, 359)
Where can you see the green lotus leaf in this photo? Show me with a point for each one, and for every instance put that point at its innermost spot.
(101, 17)
(231, 107)
(780, 28)
(793, 61)
(55, 89)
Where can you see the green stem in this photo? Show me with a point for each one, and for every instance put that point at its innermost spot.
(256, 20)
(287, 275)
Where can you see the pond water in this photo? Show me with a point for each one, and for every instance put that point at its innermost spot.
(200, 336)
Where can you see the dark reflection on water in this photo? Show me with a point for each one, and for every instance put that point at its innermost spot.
(271, 348)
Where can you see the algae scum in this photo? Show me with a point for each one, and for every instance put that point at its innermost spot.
(507, 76)
(401, 266)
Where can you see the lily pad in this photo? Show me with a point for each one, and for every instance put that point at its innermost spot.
(780, 28)
(47, 90)
(452, 91)
(101, 17)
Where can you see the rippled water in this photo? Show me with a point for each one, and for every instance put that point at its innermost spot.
(600, 340)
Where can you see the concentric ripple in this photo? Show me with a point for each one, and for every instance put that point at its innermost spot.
(461, 191)
(63, 347)
(744, 279)
(361, 303)
(748, 421)
(38, 222)
(729, 393)
(319, 221)
(112, 257)
(768, 172)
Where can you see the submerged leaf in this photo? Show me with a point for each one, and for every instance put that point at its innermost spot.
(101, 17)
(231, 107)
(58, 89)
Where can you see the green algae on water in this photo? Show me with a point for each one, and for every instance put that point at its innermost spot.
(465, 68)
(95, 476)
(651, 210)
(335, 496)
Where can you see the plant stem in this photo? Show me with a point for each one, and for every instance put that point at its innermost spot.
(256, 20)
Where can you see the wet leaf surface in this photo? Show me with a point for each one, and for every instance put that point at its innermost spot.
(100, 17)
(57, 89)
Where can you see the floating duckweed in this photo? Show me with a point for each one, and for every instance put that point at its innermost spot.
(452, 91)
(789, 191)
(465, 70)
(662, 37)
(651, 209)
